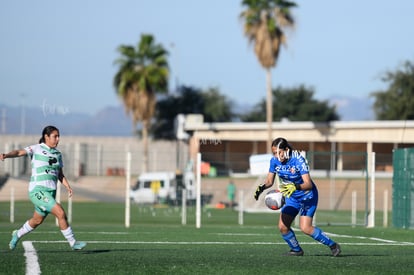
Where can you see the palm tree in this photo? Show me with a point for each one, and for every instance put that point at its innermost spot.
(264, 21)
(143, 72)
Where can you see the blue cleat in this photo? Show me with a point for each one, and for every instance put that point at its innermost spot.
(78, 245)
(14, 240)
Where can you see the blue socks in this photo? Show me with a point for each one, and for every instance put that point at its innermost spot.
(320, 236)
(317, 235)
(291, 240)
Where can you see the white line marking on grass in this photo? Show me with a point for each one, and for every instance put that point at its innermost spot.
(226, 243)
(83, 232)
(371, 241)
(32, 263)
(329, 234)
(241, 234)
(369, 238)
(104, 233)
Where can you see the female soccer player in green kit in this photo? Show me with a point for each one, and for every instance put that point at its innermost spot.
(46, 172)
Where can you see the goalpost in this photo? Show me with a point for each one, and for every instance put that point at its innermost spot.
(371, 214)
(369, 194)
(198, 191)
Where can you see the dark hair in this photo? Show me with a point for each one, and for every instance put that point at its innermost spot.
(47, 131)
(281, 143)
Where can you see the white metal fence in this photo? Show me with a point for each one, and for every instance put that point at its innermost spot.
(101, 157)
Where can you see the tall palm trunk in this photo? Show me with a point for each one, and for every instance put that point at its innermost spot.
(269, 110)
(145, 157)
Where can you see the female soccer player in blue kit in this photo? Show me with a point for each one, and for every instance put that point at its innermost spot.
(300, 193)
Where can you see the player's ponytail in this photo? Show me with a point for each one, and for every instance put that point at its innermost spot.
(46, 132)
(282, 143)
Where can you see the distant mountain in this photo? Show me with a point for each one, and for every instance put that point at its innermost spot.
(348, 108)
(353, 108)
(113, 121)
(110, 121)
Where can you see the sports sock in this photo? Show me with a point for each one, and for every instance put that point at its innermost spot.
(68, 234)
(320, 236)
(290, 239)
(25, 229)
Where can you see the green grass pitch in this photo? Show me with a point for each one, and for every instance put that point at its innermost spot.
(157, 243)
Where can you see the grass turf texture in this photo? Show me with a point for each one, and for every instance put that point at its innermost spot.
(157, 243)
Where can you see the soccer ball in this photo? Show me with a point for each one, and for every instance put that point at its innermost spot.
(274, 200)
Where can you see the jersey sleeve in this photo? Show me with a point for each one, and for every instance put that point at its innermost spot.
(303, 165)
(30, 150)
(272, 165)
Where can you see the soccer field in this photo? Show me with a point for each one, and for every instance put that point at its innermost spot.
(157, 243)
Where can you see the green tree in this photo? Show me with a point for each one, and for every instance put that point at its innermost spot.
(264, 25)
(217, 108)
(188, 100)
(397, 102)
(143, 72)
(295, 104)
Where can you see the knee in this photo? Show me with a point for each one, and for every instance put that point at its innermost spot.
(306, 229)
(60, 215)
(59, 212)
(283, 229)
(35, 221)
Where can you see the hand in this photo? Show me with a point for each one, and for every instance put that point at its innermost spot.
(70, 191)
(287, 189)
(259, 191)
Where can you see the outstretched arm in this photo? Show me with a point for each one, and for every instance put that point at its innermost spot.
(13, 154)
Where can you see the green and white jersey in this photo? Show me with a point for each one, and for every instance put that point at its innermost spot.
(46, 163)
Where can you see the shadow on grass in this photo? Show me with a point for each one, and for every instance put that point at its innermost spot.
(95, 251)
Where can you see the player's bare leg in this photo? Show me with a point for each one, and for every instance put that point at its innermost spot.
(285, 222)
(65, 228)
(26, 228)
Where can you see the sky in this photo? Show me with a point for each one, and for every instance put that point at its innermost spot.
(60, 55)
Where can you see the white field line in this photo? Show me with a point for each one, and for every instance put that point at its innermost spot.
(32, 263)
(229, 243)
(80, 232)
(370, 238)
(375, 241)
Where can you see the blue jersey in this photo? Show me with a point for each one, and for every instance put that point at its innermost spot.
(292, 170)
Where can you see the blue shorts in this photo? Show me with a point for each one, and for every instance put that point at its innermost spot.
(306, 207)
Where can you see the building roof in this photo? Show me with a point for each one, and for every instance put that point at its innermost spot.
(396, 131)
